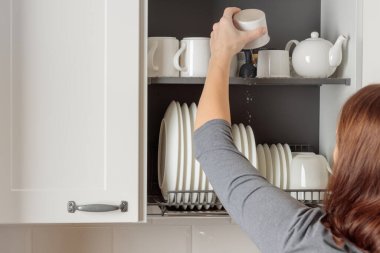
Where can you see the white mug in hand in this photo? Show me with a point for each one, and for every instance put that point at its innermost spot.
(193, 56)
(161, 51)
(251, 19)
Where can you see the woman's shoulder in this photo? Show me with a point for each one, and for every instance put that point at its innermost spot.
(308, 234)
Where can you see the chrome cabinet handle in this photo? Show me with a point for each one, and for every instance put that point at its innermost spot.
(72, 207)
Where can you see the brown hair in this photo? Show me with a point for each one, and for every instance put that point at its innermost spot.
(353, 205)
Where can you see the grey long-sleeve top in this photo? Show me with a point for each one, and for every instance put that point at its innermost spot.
(274, 221)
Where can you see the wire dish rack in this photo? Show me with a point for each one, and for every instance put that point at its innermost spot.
(175, 205)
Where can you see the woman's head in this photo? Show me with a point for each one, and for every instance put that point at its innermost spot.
(353, 207)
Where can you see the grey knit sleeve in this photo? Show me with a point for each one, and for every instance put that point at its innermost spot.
(271, 217)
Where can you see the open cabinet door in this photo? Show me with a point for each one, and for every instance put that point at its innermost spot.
(70, 103)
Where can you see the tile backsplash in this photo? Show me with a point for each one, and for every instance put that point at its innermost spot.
(158, 235)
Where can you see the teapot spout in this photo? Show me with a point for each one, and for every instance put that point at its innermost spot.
(335, 53)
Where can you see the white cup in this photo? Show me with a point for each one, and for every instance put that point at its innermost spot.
(161, 51)
(251, 19)
(273, 63)
(193, 56)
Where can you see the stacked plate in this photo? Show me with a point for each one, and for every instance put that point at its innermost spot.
(244, 140)
(182, 180)
(274, 163)
(177, 168)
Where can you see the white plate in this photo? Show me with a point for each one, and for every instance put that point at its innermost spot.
(284, 166)
(268, 163)
(236, 137)
(261, 160)
(244, 141)
(277, 166)
(195, 175)
(188, 153)
(208, 195)
(289, 157)
(168, 159)
(181, 155)
(202, 187)
(252, 145)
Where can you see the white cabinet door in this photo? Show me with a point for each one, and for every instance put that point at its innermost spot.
(71, 121)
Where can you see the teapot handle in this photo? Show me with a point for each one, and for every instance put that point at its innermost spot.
(322, 158)
(290, 43)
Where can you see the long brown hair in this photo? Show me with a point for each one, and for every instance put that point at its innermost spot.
(353, 205)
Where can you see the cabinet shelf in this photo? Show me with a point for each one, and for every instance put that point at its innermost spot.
(255, 81)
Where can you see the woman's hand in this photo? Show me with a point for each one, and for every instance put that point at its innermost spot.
(227, 40)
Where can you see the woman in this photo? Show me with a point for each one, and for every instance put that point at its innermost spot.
(350, 220)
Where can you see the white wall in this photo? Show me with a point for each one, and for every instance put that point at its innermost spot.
(340, 17)
(163, 235)
(371, 42)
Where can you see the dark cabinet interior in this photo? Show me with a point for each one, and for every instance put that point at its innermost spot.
(277, 113)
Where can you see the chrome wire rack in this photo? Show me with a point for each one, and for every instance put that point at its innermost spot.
(207, 203)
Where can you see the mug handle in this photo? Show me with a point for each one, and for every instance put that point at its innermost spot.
(321, 157)
(151, 54)
(176, 58)
(290, 43)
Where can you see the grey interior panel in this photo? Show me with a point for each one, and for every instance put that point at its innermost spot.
(277, 113)
(286, 19)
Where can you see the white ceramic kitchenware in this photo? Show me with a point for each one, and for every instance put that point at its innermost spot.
(273, 63)
(244, 141)
(284, 169)
(261, 160)
(268, 162)
(181, 155)
(161, 51)
(276, 166)
(168, 158)
(316, 57)
(195, 164)
(251, 19)
(288, 157)
(252, 146)
(236, 137)
(202, 187)
(188, 157)
(193, 56)
(309, 171)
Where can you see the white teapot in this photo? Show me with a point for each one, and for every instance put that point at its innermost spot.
(316, 57)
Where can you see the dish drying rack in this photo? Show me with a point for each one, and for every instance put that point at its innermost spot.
(212, 206)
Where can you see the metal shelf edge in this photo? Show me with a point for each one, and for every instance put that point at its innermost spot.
(254, 81)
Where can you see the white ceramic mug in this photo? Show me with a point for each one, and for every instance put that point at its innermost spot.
(309, 171)
(161, 51)
(193, 56)
(273, 63)
(251, 19)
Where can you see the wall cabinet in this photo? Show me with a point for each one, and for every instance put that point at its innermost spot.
(72, 121)
(75, 104)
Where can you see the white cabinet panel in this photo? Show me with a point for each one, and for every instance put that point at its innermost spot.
(71, 96)
(371, 42)
(59, 103)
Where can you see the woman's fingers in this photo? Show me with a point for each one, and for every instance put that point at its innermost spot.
(230, 11)
(254, 34)
(215, 26)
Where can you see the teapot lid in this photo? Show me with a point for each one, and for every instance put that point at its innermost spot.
(314, 36)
